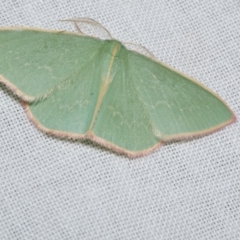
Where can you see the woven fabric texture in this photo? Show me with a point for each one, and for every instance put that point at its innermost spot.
(60, 189)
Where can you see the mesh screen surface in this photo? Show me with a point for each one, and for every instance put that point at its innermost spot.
(60, 189)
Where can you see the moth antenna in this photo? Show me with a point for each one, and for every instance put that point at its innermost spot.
(145, 50)
(87, 21)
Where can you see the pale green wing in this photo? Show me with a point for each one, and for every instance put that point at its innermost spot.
(123, 119)
(177, 105)
(147, 103)
(69, 109)
(33, 62)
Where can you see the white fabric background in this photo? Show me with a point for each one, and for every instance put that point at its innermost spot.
(59, 189)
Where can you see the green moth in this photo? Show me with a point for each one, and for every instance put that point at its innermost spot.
(77, 86)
